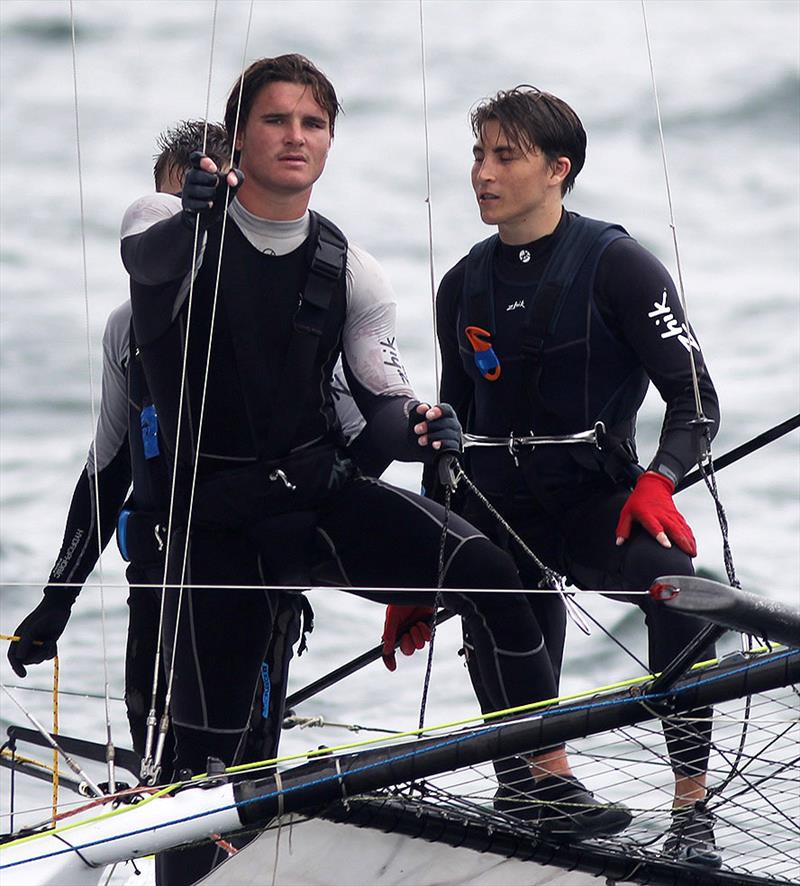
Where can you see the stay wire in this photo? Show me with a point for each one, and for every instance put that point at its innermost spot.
(436, 366)
(151, 760)
(215, 300)
(701, 423)
(673, 226)
(96, 479)
(705, 461)
(429, 197)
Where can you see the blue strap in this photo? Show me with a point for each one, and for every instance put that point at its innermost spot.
(149, 423)
(122, 534)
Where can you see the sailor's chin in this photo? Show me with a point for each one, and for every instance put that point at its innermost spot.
(489, 211)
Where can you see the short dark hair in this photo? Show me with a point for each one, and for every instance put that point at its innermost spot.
(534, 119)
(176, 145)
(291, 68)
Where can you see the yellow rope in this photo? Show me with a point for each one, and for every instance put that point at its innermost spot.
(21, 758)
(55, 732)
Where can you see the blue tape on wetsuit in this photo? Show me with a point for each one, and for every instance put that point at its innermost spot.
(122, 534)
(149, 421)
(265, 692)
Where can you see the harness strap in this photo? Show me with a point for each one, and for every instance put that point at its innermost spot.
(324, 275)
(572, 250)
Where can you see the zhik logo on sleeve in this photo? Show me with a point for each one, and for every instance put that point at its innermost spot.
(663, 315)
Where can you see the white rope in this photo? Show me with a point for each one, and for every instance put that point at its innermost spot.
(355, 589)
(95, 478)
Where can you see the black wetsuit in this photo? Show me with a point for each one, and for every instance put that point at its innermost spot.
(614, 323)
(335, 523)
(133, 481)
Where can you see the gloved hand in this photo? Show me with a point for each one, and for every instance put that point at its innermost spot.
(440, 427)
(413, 626)
(203, 192)
(651, 504)
(39, 632)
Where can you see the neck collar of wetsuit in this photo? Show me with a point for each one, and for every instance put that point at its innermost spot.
(528, 258)
(268, 236)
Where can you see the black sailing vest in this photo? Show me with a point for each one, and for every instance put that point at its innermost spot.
(562, 369)
(149, 465)
(261, 302)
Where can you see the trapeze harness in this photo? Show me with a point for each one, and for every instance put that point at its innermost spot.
(271, 448)
(542, 390)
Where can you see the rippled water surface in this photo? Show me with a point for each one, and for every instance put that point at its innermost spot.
(728, 82)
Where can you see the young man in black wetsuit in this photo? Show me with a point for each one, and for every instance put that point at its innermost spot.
(552, 325)
(273, 482)
(126, 452)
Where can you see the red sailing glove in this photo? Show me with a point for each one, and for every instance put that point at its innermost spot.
(412, 624)
(651, 504)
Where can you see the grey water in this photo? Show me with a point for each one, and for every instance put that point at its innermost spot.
(728, 83)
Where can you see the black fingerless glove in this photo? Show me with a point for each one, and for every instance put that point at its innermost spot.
(447, 429)
(203, 193)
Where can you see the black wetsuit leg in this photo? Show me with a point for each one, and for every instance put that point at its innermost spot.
(593, 560)
(548, 609)
(380, 535)
(222, 640)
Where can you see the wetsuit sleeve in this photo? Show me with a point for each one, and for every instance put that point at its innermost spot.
(79, 549)
(372, 363)
(109, 456)
(361, 447)
(639, 302)
(156, 244)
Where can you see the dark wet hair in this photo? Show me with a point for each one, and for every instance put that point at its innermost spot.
(532, 119)
(176, 145)
(291, 68)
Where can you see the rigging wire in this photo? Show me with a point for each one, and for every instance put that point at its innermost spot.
(196, 459)
(701, 423)
(705, 462)
(151, 763)
(93, 452)
(428, 197)
(673, 226)
(152, 758)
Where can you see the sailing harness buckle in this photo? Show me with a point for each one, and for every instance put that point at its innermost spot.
(278, 474)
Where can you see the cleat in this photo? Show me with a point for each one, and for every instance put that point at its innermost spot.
(561, 806)
(691, 837)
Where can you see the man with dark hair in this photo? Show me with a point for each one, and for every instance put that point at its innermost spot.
(124, 451)
(257, 428)
(551, 327)
(175, 147)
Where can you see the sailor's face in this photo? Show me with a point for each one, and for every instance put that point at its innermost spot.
(285, 141)
(511, 185)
